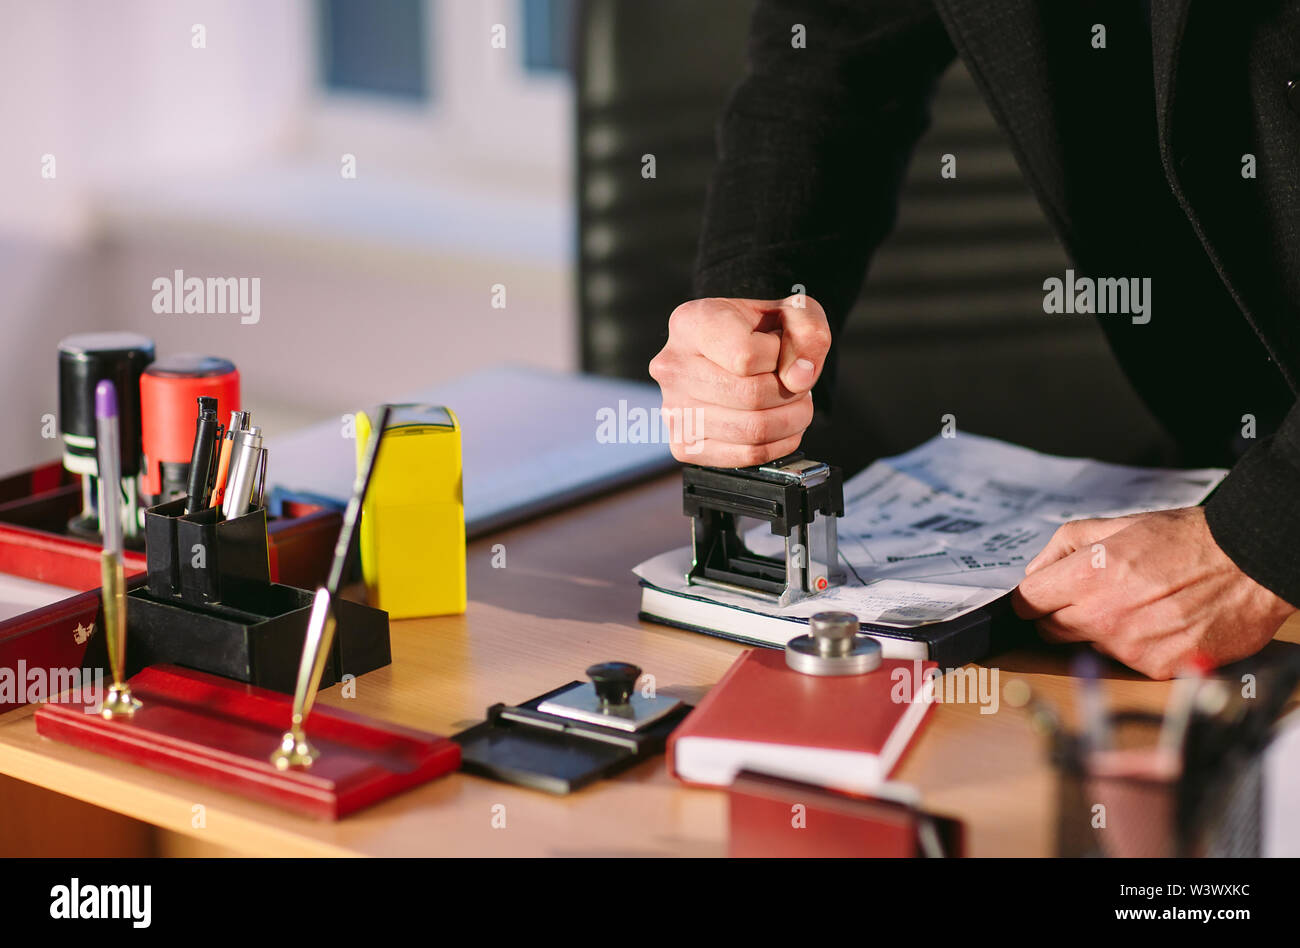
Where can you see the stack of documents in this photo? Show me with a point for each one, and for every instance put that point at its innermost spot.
(927, 538)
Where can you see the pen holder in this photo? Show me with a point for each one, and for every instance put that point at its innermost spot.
(209, 605)
(203, 559)
(1132, 801)
(1117, 802)
(256, 636)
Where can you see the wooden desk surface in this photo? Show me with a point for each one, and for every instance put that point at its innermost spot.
(564, 600)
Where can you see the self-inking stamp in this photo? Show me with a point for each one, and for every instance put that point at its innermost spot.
(580, 732)
(799, 498)
(86, 359)
(168, 390)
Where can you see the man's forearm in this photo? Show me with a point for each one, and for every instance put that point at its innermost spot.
(813, 146)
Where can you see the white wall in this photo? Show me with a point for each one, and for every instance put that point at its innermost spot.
(224, 161)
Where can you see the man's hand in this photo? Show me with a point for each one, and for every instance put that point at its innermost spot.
(736, 377)
(1153, 591)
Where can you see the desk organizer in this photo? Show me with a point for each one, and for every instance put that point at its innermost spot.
(59, 637)
(1143, 815)
(36, 505)
(203, 559)
(209, 604)
(53, 637)
(220, 733)
(255, 638)
(1155, 815)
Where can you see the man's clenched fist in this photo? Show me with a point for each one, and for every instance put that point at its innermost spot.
(736, 377)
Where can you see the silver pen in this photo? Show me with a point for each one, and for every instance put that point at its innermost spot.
(243, 472)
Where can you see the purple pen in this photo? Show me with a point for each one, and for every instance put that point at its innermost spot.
(108, 446)
(112, 573)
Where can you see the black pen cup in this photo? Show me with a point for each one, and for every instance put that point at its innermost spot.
(1133, 799)
(256, 636)
(209, 604)
(201, 558)
(1121, 801)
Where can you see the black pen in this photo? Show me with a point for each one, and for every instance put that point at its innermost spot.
(201, 461)
(210, 487)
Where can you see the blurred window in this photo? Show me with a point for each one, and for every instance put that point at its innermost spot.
(446, 91)
(548, 35)
(375, 47)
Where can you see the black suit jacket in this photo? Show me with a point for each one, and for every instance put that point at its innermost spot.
(1136, 152)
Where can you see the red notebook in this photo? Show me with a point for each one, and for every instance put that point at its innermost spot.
(846, 732)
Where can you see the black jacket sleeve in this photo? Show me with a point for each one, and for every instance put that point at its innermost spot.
(813, 146)
(1254, 516)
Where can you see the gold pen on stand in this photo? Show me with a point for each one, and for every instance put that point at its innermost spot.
(112, 573)
(295, 750)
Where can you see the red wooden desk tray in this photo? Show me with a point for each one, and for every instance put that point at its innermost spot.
(222, 733)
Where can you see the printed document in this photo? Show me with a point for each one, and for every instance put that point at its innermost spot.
(948, 527)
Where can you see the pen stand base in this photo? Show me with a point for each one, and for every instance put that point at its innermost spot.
(255, 638)
(221, 734)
